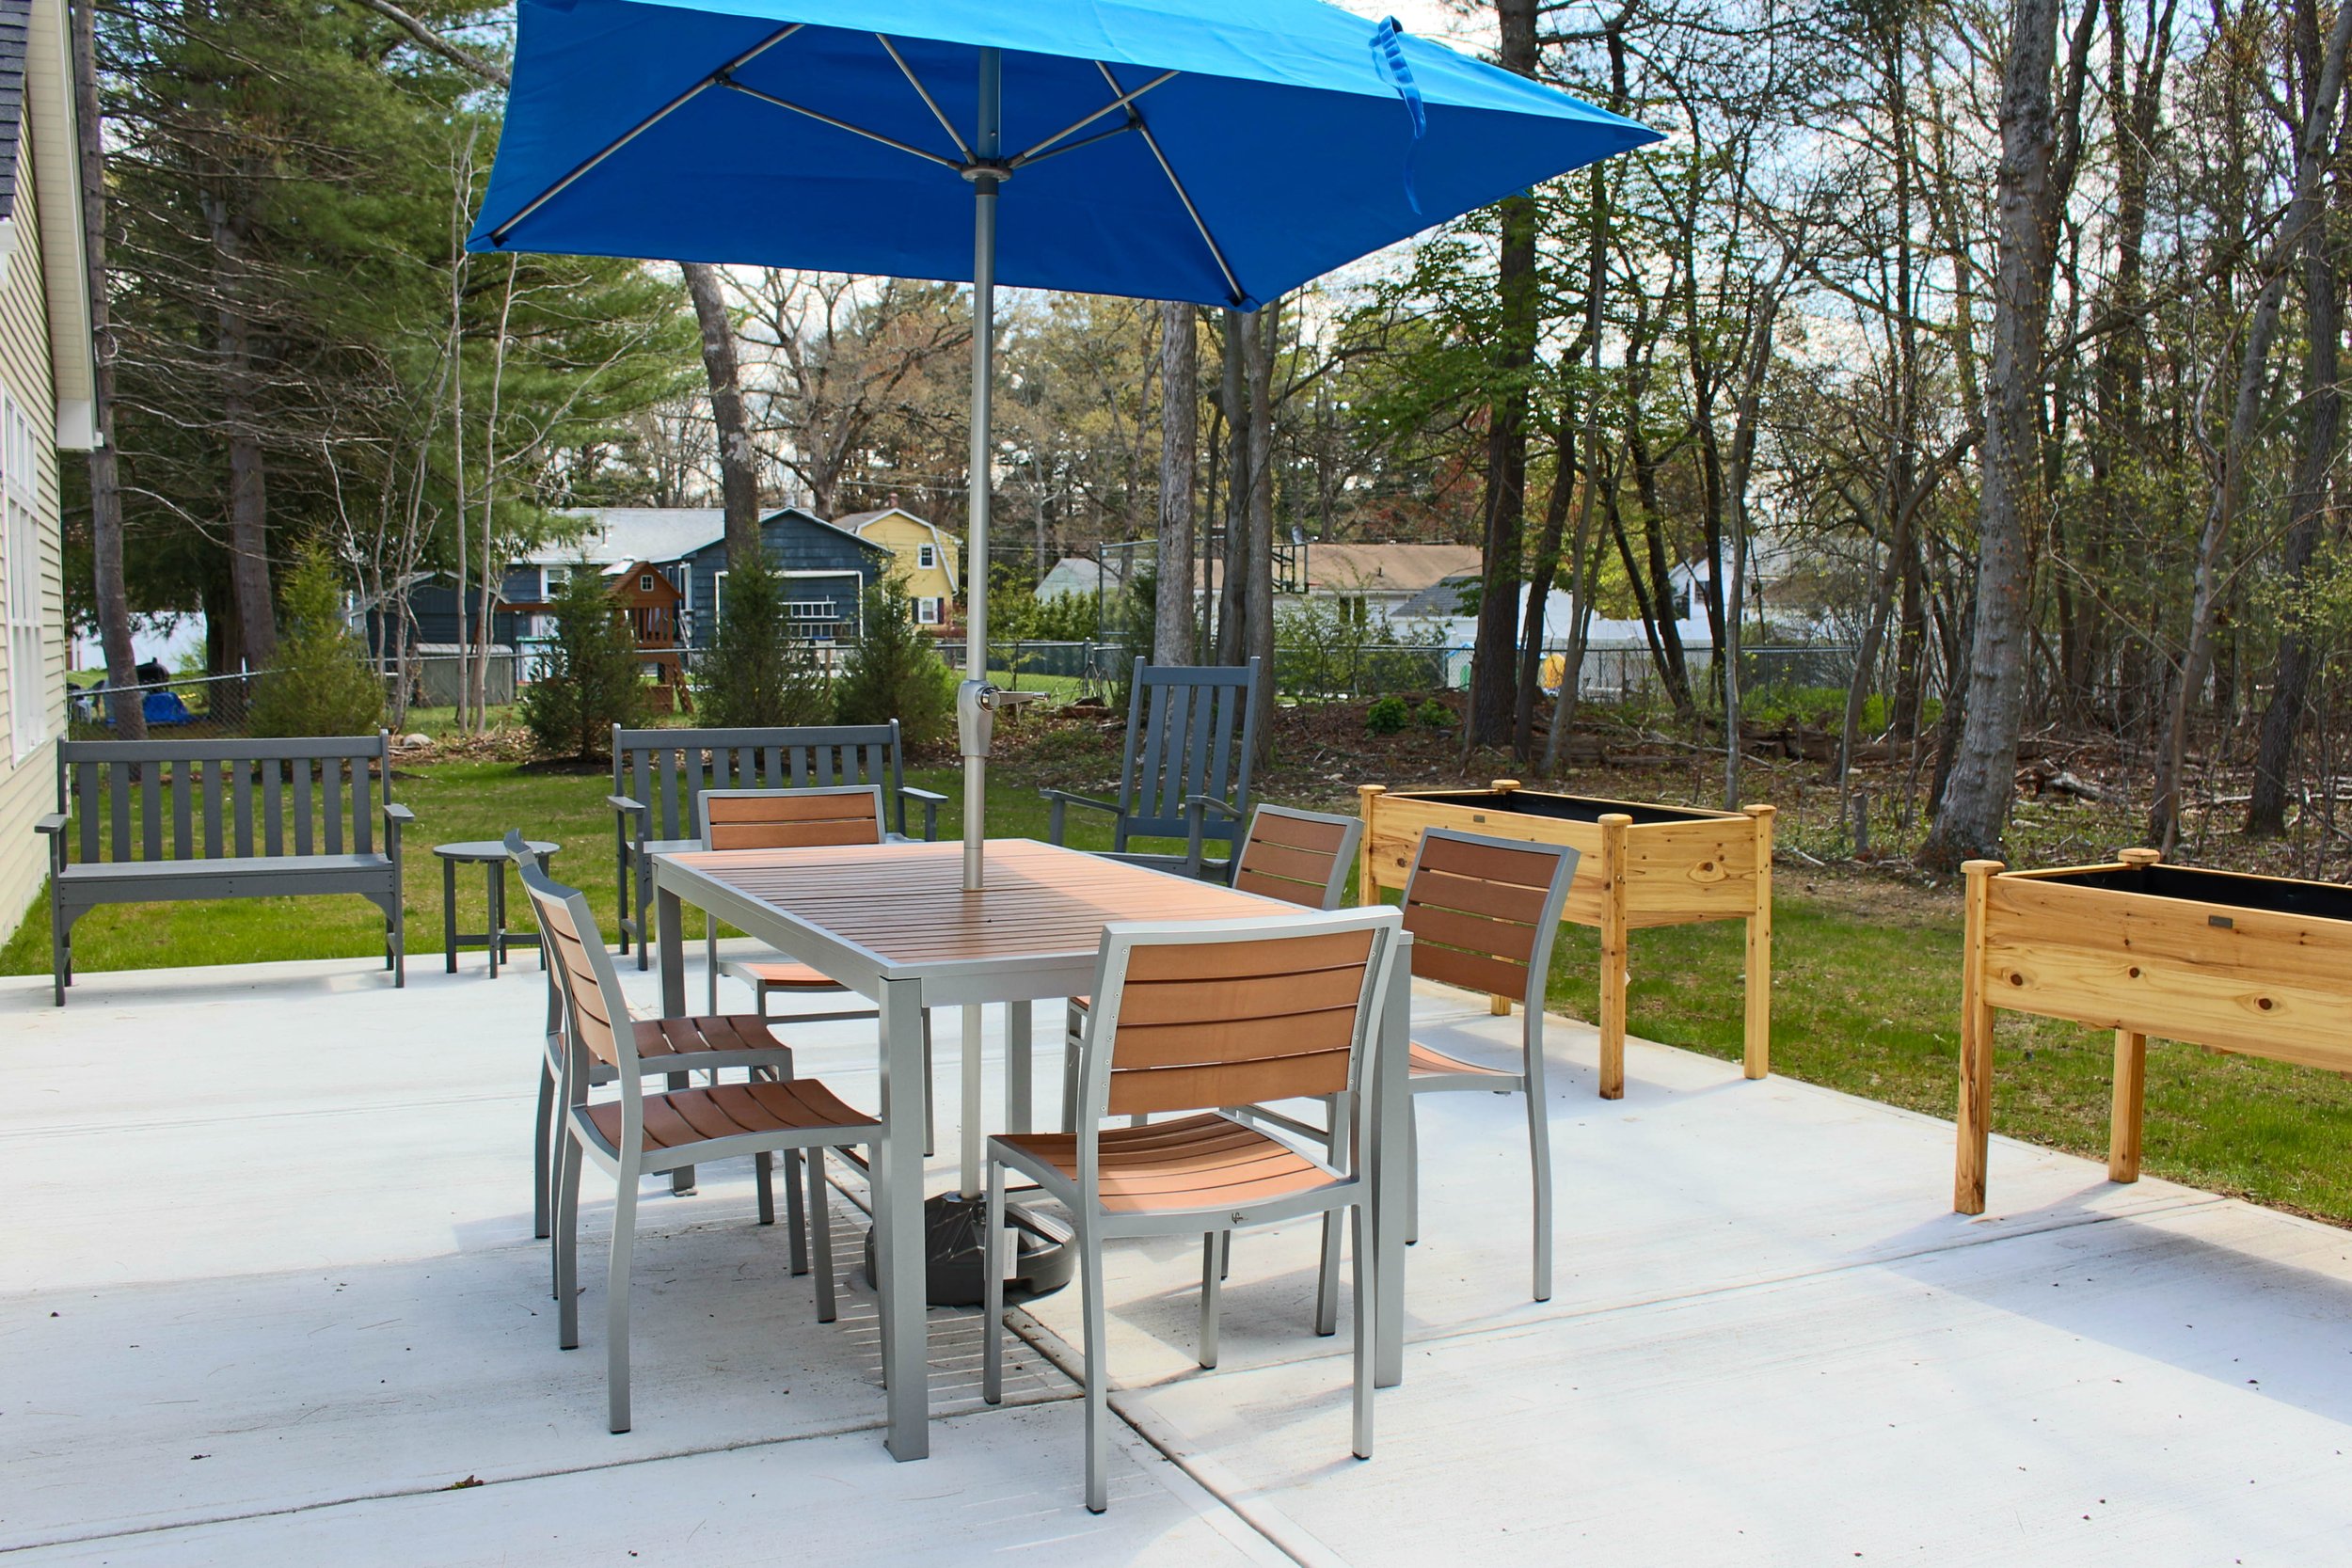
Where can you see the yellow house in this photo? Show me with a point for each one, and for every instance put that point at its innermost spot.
(45, 377)
(927, 558)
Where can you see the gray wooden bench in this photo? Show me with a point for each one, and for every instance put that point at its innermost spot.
(659, 776)
(165, 821)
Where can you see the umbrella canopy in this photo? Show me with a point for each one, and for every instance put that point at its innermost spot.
(1220, 151)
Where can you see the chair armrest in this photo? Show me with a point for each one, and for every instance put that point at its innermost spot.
(54, 823)
(931, 801)
(395, 812)
(52, 827)
(1210, 802)
(1059, 800)
(623, 804)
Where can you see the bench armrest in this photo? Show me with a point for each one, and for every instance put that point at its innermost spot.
(931, 801)
(52, 827)
(395, 812)
(624, 804)
(1059, 799)
(54, 823)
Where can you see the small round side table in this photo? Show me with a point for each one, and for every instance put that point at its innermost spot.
(490, 855)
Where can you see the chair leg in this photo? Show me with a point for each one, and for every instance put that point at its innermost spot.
(543, 1156)
(1539, 1156)
(1071, 1042)
(820, 1232)
(1412, 1170)
(1327, 1278)
(567, 1161)
(616, 1296)
(931, 1090)
(1363, 1330)
(993, 1291)
(1209, 1283)
(711, 958)
(764, 1171)
(796, 1212)
(1098, 1373)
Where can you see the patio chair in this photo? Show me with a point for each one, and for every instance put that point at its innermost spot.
(799, 819)
(1200, 1017)
(1191, 729)
(639, 1133)
(705, 1044)
(1300, 856)
(1483, 913)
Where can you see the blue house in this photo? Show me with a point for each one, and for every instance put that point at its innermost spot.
(826, 572)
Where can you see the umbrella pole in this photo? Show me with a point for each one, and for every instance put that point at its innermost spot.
(987, 145)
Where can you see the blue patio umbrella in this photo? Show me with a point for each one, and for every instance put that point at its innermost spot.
(1220, 151)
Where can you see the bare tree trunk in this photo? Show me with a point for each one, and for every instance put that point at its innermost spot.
(738, 460)
(125, 706)
(2304, 215)
(1974, 809)
(1736, 479)
(2307, 505)
(1541, 578)
(249, 492)
(1264, 338)
(1180, 431)
(1232, 594)
(478, 668)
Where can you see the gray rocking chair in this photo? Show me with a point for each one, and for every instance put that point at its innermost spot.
(1191, 729)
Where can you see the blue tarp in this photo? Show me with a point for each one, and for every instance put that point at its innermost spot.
(1303, 136)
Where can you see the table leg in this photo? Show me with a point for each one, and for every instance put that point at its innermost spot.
(2131, 1097)
(1020, 1066)
(449, 914)
(671, 916)
(897, 1184)
(968, 1134)
(494, 887)
(1391, 1150)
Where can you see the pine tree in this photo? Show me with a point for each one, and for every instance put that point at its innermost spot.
(757, 674)
(321, 685)
(587, 682)
(895, 672)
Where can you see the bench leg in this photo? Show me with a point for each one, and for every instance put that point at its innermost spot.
(449, 915)
(61, 946)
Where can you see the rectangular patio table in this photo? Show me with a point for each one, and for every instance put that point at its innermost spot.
(893, 922)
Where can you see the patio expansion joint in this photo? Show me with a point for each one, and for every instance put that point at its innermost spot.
(840, 1429)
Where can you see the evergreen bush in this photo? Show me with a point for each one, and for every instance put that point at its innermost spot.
(587, 680)
(1388, 716)
(322, 684)
(895, 672)
(757, 674)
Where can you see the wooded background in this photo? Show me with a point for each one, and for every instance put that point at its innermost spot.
(2008, 335)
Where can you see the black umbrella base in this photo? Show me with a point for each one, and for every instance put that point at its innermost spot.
(1046, 1251)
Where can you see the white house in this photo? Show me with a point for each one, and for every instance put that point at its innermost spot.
(45, 392)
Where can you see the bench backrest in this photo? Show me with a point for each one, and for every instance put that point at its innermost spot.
(667, 770)
(211, 799)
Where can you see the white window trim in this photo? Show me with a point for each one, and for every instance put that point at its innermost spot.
(926, 612)
(28, 632)
(927, 557)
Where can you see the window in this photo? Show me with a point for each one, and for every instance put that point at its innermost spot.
(28, 708)
(644, 583)
(814, 619)
(927, 611)
(927, 556)
(558, 579)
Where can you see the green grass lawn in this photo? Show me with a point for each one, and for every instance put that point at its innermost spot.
(1866, 988)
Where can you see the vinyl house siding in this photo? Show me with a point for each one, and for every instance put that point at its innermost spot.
(28, 787)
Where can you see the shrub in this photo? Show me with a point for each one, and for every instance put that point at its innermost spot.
(322, 684)
(1434, 715)
(587, 680)
(757, 674)
(895, 672)
(1388, 716)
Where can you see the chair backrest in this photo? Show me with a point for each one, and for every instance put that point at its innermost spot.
(1190, 731)
(599, 1016)
(211, 799)
(518, 850)
(1200, 1016)
(668, 770)
(1300, 856)
(1484, 911)
(792, 818)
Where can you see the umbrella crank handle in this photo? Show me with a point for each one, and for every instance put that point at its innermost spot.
(975, 716)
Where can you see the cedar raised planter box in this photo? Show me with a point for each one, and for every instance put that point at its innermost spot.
(1642, 865)
(2261, 965)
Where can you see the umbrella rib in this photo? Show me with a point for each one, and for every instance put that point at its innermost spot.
(498, 235)
(1232, 284)
(929, 102)
(1124, 101)
(823, 119)
(1119, 129)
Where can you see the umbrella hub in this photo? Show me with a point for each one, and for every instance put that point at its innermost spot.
(994, 171)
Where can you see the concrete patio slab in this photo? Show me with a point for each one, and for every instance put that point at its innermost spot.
(280, 1215)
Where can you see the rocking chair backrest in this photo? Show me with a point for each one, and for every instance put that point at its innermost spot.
(1190, 731)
